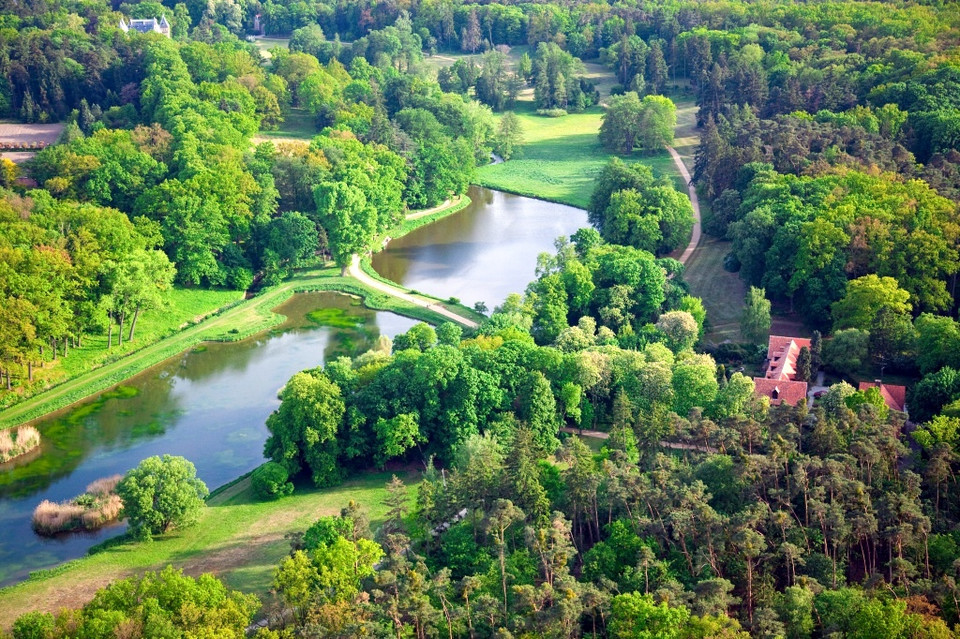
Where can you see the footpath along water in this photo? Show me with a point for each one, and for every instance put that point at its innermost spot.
(483, 253)
(209, 405)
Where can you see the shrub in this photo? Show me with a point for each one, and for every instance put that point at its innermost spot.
(453, 300)
(27, 438)
(552, 113)
(271, 481)
(88, 511)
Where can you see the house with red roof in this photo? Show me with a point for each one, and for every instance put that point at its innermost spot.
(894, 396)
(780, 382)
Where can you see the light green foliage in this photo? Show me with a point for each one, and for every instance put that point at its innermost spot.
(755, 321)
(864, 298)
(636, 616)
(870, 396)
(939, 430)
(161, 493)
(679, 330)
(694, 384)
(303, 430)
(165, 603)
(509, 137)
(396, 435)
(630, 206)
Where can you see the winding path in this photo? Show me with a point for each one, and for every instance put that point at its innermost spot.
(694, 202)
(357, 273)
(597, 434)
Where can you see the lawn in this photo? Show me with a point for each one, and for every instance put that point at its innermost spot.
(265, 44)
(561, 157)
(297, 125)
(237, 538)
(722, 292)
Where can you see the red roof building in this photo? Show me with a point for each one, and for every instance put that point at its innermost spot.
(895, 397)
(780, 382)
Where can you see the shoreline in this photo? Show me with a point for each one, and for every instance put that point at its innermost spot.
(226, 324)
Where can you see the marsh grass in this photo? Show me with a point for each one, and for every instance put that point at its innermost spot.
(14, 443)
(96, 507)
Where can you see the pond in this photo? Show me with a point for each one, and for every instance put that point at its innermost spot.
(209, 405)
(483, 253)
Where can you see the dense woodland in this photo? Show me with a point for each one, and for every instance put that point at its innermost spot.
(829, 158)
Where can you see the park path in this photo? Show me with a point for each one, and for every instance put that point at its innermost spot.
(694, 202)
(416, 215)
(357, 273)
(597, 434)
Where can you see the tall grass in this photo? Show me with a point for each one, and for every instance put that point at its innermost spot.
(27, 438)
(89, 511)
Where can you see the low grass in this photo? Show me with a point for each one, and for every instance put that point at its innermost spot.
(722, 292)
(265, 44)
(297, 125)
(238, 538)
(561, 157)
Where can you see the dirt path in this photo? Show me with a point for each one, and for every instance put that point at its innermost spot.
(416, 215)
(694, 201)
(357, 273)
(596, 434)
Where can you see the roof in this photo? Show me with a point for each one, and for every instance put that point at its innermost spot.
(895, 397)
(782, 355)
(780, 390)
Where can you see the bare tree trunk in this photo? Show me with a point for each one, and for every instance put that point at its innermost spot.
(109, 331)
(66, 346)
(8, 378)
(30, 371)
(133, 323)
(120, 331)
(53, 346)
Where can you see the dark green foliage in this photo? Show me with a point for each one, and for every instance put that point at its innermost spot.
(271, 481)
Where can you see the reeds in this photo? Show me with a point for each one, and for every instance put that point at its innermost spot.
(89, 511)
(27, 438)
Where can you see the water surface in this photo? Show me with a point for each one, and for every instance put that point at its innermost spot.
(482, 253)
(208, 405)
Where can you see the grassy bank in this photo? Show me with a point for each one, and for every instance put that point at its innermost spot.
(184, 306)
(238, 320)
(561, 157)
(238, 538)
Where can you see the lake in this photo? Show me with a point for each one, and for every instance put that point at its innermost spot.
(210, 404)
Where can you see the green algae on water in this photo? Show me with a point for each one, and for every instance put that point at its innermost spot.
(334, 318)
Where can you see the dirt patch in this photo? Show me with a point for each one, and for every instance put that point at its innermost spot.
(17, 133)
(232, 557)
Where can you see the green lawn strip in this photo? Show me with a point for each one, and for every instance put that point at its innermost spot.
(561, 157)
(236, 322)
(722, 292)
(297, 125)
(183, 307)
(237, 538)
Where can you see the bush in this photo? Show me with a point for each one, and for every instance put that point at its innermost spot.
(271, 481)
(552, 113)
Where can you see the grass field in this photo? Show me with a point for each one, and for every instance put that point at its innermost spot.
(237, 538)
(561, 157)
(265, 44)
(297, 125)
(722, 292)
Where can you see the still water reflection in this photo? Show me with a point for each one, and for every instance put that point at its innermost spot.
(208, 405)
(483, 253)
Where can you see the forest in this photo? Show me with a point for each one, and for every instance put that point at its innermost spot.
(587, 462)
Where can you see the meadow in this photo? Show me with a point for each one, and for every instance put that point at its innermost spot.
(237, 538)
